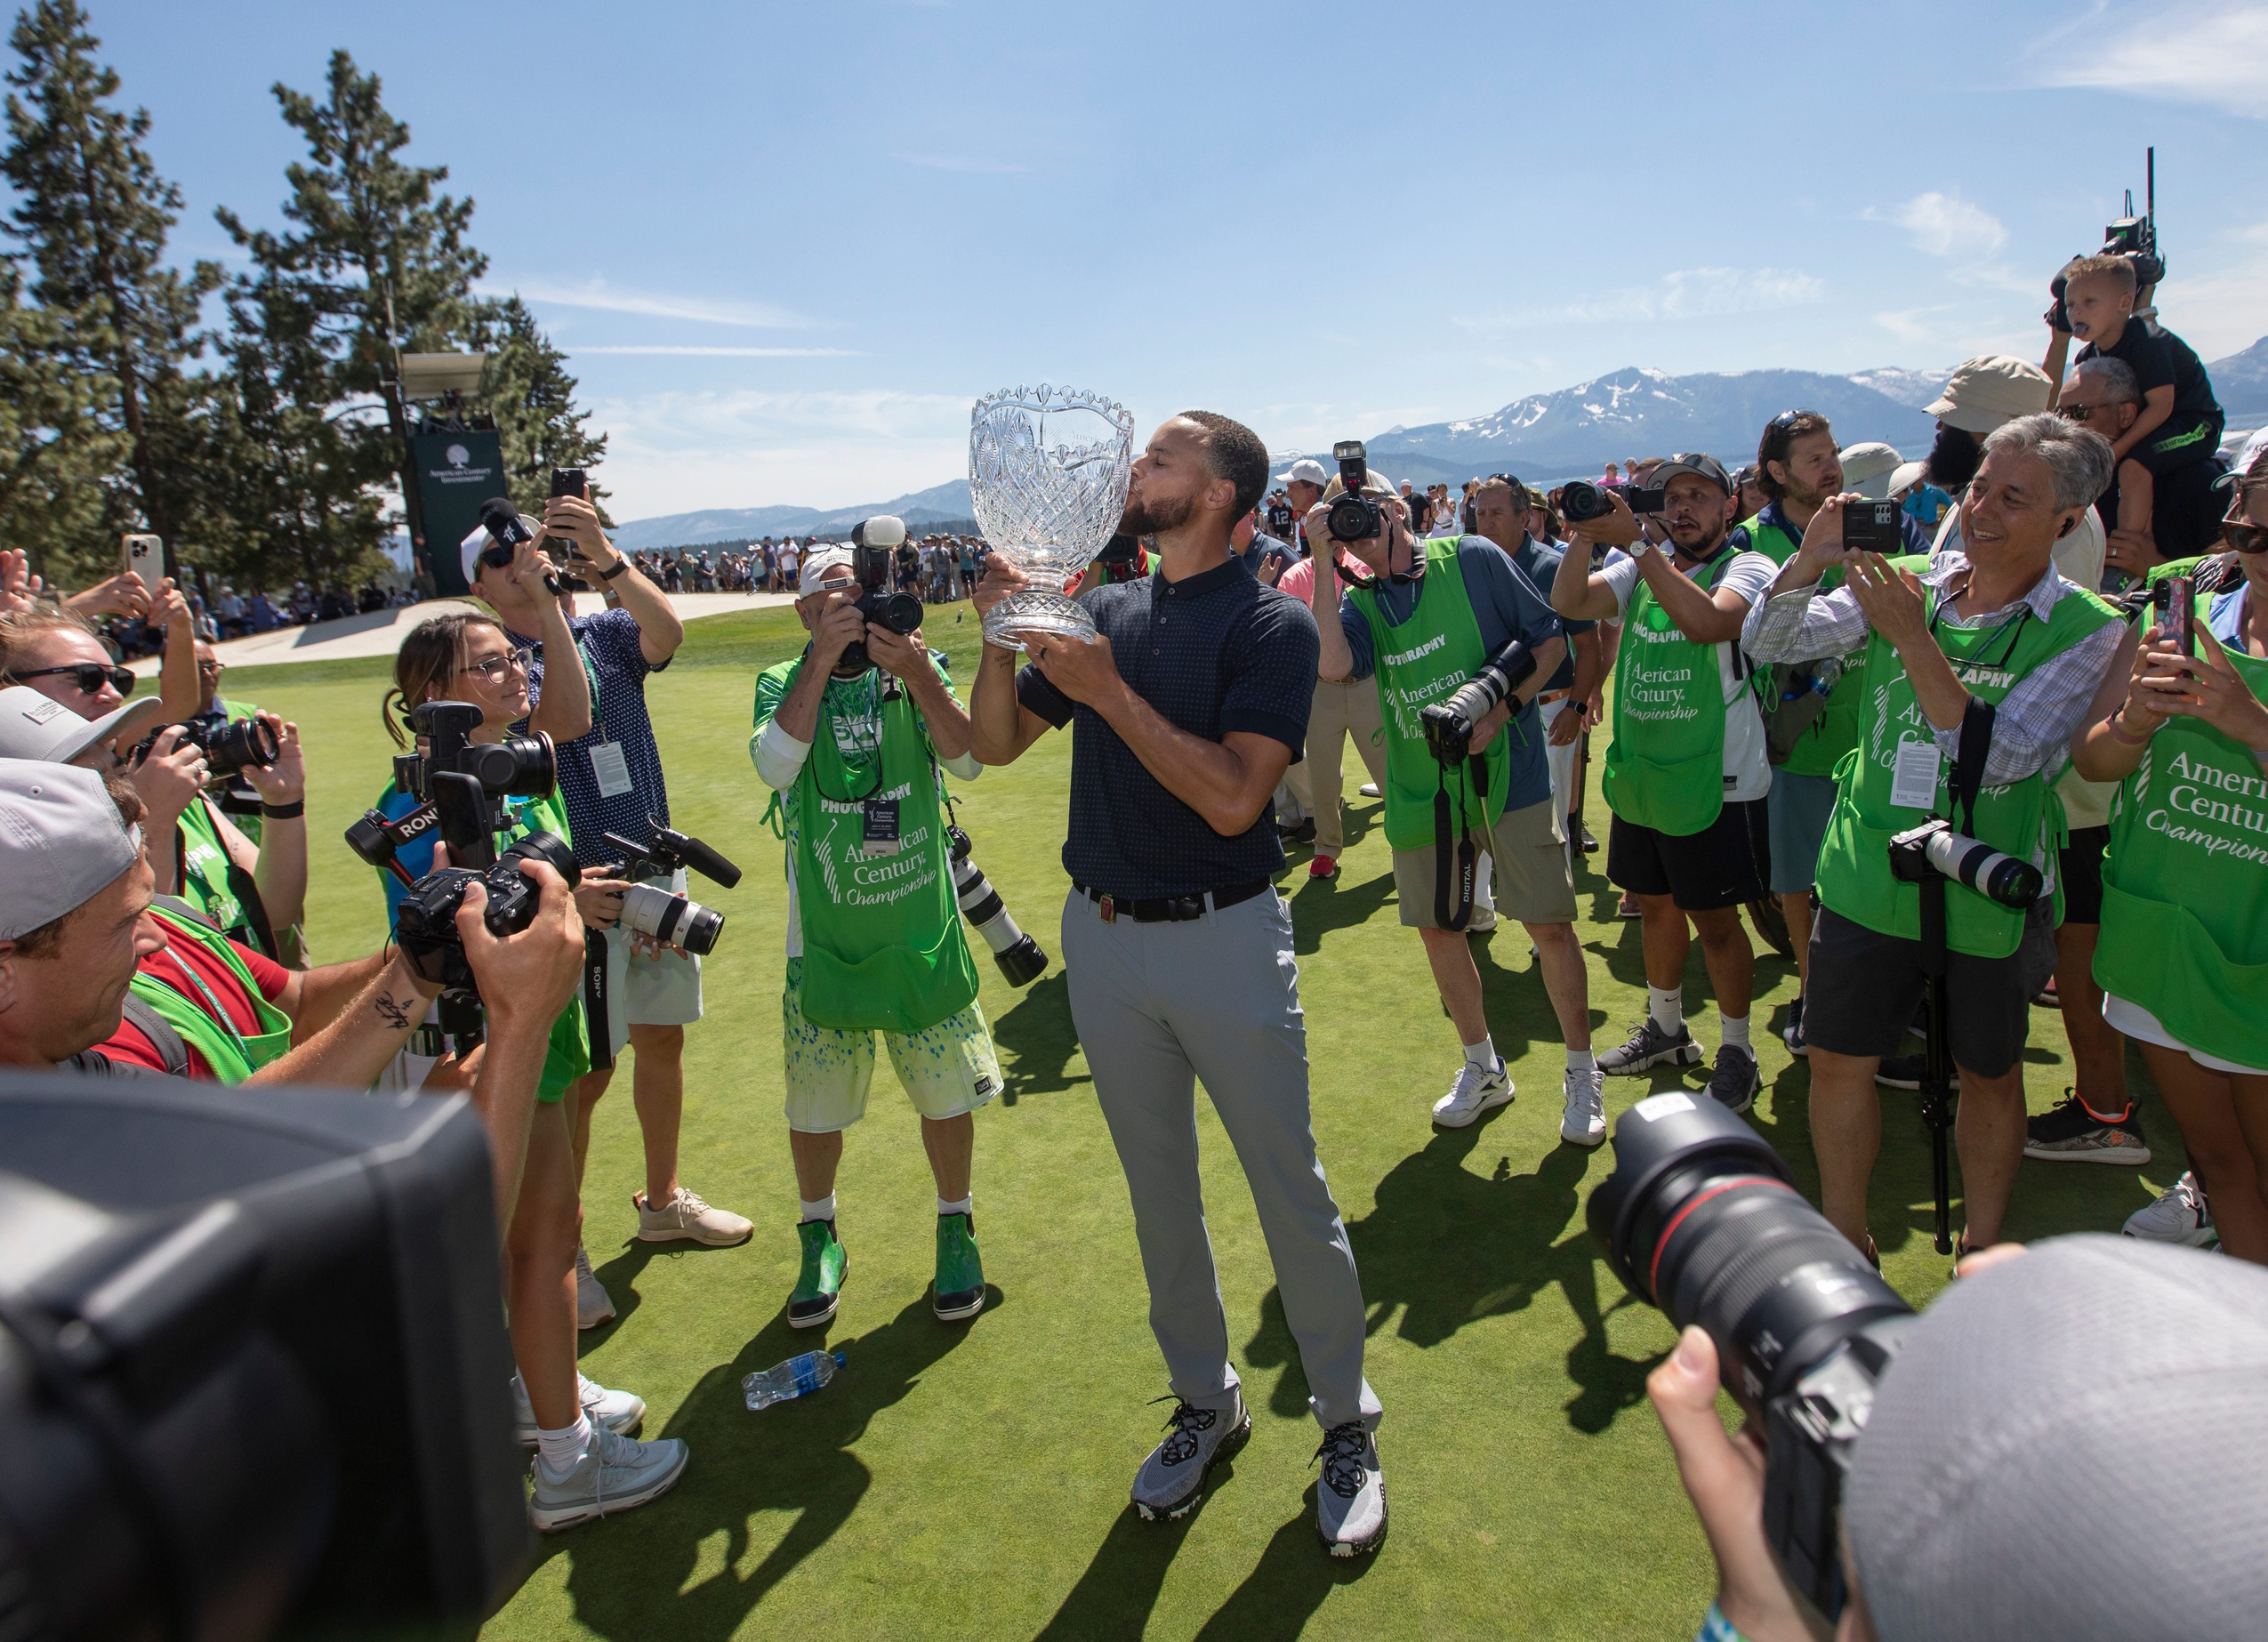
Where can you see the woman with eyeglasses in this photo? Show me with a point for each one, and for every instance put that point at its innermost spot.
(586, 1464)
(2182, 959)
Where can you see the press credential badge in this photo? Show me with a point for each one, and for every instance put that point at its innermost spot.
(611, 769)
(1913, 786)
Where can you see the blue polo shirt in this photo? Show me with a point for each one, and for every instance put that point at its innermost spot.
(1505, 606)
(616, 663)
(1539, 561)
(1212, 653)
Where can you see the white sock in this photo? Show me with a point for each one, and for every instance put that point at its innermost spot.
(1735, 1030)
(818, 1208)
(964, 1205)
(1483, 1054)
(563, 1449)
(1667, 1008)
(1581, 1060)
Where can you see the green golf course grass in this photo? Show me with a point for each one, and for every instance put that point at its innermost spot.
(970, 1480)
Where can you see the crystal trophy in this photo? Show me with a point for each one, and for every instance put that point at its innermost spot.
(1048, 472)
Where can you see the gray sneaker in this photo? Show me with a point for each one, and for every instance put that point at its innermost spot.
(1172, 1479)
(1648, 1045)
(613, 1474)
(619, 1411)
(593, 1304)
(1350, 1500)
(1736, 1082)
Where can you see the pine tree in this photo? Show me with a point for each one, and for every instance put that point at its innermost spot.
(54, 451)
(532, 395)
(115, 322)
(309, 326)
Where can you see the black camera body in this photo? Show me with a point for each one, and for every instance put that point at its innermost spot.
(229, 745)
(1701, 1218)
(426, 927)
(873, 546)
(1448, 724)
(501, 519)
(1873, 527)
(1580, 500)
(1353, 517)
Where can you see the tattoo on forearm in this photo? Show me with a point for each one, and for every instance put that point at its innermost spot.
(395, 1015)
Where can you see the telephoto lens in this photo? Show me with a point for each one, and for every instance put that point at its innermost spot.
(672, 918)
(1580, 500)
(1449, 724)
(1998, 876)
(1700, 1219)
(1020, 958)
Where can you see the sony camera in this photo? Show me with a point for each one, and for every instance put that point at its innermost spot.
(1449, 724)
(1580, 500)
(1021, 959)
(229, 745)
(426, 923)
(873, 544)
(1353, 517)
(480, 775)
(1701, 1218)
(655, 910)
(1935, 848)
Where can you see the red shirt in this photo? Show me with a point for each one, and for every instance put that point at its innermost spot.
(173, 964)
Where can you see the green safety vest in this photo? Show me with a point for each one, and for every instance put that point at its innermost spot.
(1417, 664)
(213, 884)
(205, 1025)
(883, 943)
(2186, 884)
(2022, 818)
(1665, 768)
(1836, 730)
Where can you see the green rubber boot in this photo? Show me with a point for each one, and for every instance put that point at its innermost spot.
(819, 1286)
(960, 1291)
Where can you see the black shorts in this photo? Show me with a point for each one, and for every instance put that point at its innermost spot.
(1865, 987)
(2181, 440)
(2079, 868)
(1726, 864)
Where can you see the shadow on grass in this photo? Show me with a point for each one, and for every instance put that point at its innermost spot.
(1444, 1247)
(1326, 903)
(619, 1277)
(1038, 1041)
(627, 1572)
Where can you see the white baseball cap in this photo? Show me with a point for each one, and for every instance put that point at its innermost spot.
(1307, 470)
(61, 843)
(480, 541)
(818, 560)
(33, 726)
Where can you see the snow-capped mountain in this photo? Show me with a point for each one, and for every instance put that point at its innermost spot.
(940, 504)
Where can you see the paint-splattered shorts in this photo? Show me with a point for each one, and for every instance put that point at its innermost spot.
(946, 1070)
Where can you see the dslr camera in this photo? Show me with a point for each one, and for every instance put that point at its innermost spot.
(1701, 1219)
(229, 745)
(1449, 724)
(1353, 517)
(1935, 850)
(873, 544)
(1580, 500)
(659, 912)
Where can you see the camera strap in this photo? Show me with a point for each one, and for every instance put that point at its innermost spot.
(1968, 761)
(1456, 860)
(595, 1019)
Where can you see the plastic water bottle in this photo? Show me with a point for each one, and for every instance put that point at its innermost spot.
(792, 1379)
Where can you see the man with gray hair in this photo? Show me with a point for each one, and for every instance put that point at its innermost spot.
(1985, 659)
(2104, 396)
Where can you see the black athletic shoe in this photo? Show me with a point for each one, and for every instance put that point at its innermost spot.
(1736, 1082)
(1303, 833)
(1792, 1034)
(2069, 1134)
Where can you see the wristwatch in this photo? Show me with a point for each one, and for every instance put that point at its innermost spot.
(620, 565)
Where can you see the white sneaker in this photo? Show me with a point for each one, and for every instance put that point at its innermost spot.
(593, 1304)
(613, 1474)
(687, 1217)
(2181, 1215)
(619, 1411)
(1350, 1498)
(1584, 1122)
(1369, 789)
(1474, 1092)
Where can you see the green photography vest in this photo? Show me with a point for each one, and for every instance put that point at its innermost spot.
(1836, 730)
(1422, 662)
(1665, 768)
(2022, 818)
(882, 944)
(200, 1019)
(215, 885)
(2186, 884)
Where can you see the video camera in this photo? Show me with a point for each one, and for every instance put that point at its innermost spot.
(873, 544)
(1580, 500)
(672, 918)
(1353, 517)
(1701, 1219)
(1449, 724)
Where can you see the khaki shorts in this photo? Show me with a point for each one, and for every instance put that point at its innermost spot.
(1534, 883)
(946, 1070)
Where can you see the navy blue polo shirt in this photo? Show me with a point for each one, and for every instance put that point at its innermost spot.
(617, 669)
(1213, 652)
(1539, 561)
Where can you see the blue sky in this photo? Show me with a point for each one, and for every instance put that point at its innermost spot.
(786, 245)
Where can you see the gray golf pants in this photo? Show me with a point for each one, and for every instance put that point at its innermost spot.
(1159, 1006)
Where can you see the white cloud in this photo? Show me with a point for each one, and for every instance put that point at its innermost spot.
(1949, 226)
(597, 293)
(2215, 53)
(962, 163)
(1685, 293)
(733, 353)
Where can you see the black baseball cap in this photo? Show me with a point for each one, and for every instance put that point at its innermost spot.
(1694, 462)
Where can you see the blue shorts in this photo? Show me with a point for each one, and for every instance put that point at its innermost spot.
(1797, 807)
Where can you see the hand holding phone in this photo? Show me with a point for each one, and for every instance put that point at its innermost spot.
(143, 554)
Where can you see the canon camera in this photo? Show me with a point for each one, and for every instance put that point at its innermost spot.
(1449, 724)
(873, 546)
(1353, 517)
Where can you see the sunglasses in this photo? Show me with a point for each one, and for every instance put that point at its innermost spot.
(1787, 419)
(89, 676)
(2244, 537)
(2079, 412)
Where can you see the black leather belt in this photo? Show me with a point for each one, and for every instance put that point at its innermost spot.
(1171, 908)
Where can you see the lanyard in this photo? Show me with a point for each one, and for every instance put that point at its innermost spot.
(874, 713)
(2014, 630)
(219, 1015)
